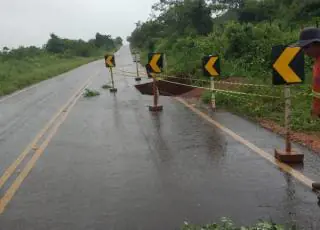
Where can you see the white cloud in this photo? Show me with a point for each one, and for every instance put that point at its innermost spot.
(29, 22)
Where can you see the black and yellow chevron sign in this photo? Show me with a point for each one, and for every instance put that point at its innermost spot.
(211, 66)
(110, 61)
(155, 61)
(288, 65)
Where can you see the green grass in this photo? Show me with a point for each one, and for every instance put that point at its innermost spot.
(90, 93)
(16, 74)
(227, 224)
(206, 97)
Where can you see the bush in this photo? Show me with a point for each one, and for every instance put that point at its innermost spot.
(206, 97)
(90, 93)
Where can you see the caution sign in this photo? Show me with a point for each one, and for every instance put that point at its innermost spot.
(211, 66)
(155, 60)
(288, 65)
(110, 61)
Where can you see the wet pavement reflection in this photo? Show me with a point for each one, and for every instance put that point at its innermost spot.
(115, 165)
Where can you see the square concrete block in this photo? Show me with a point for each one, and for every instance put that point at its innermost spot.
(290, 158)
(155, 108)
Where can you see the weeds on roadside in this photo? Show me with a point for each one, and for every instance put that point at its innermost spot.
(206, 97)
(227, 224)
(90, 93)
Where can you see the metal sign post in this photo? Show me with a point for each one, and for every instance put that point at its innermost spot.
(113, 89)
(110, 63)
(155, 66)
(287, 98)
(211, 68)
(213, 95)
(155, 90)
(138, 78)
(288, 69)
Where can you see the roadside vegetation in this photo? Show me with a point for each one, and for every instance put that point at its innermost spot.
(227, 224)
(24, 66)
(242, 33)
(90, 93)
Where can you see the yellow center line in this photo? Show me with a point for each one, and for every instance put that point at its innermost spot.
(11, 169)
(286, 168)
(4, 201)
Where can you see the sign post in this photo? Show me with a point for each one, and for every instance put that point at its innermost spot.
(138, 78)
(288, 69)
(113, 89)
(213, 94)
(287, 98)
(211, 68)
(110, 63)
(155, 65)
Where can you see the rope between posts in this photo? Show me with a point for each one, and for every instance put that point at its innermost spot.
(206, 81)
(224, 91)
(219, 82)
(217, 90)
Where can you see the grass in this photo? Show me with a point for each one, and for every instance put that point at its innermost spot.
(266, 108)
(90, 93)
(227, 224)
(16, 74)
(206, 97)
(272, 109)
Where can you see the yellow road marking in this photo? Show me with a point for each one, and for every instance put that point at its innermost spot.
(286, 168)
(4, 201)
(10, 170)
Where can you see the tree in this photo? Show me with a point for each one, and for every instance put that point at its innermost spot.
(55, 44)
(5, 49)
(118, 41)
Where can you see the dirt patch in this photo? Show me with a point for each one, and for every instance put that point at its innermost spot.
(194, 93)
(309, 140)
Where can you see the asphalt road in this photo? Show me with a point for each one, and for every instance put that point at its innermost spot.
(114, 165)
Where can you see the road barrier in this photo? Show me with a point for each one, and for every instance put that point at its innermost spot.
(163, 78)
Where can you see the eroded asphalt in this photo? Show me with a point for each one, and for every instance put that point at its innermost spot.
(115, 165)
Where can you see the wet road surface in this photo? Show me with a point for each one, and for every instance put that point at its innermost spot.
(114, 165)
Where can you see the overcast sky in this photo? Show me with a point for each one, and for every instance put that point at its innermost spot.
(29, 22)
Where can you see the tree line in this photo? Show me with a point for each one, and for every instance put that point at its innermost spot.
(66, 47)
(242, 33)
(187, 29)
